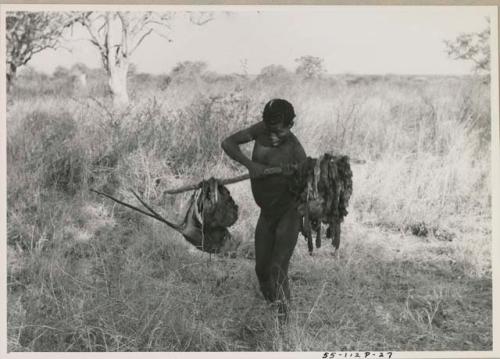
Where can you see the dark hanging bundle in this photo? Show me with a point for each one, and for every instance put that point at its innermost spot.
(211, 210)
(324, 187)
(216, 205)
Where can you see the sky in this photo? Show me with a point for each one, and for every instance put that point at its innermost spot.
(356, 40)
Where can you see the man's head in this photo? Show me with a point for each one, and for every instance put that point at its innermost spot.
(278, 117)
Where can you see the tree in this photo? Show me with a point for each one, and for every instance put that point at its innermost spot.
(188, 70)
(60, 72)
(29, 33)
(79, 67)
(117, 35)
(310, 67)
(273, 73)
(474, 47)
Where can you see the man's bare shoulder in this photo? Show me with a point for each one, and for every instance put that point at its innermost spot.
(295, 140)
(297, 148)
(245, 135)
(257, 129)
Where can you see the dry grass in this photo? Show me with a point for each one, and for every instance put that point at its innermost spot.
(414, 271)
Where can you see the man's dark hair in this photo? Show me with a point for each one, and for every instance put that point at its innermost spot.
(278, 110)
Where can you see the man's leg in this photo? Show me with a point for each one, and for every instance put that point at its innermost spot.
(264, 242)
(287, 232)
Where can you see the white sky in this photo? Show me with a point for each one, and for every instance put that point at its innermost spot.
(363, 40)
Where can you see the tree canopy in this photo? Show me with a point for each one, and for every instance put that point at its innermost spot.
(310, 67)
(473, 47)
(29, 33)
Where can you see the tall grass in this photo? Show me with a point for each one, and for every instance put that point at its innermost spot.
(85, 275)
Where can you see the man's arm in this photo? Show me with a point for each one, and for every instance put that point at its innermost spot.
(231, 145)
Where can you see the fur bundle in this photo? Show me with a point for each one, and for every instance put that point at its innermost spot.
(324, 187)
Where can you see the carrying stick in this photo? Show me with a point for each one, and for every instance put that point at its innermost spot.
(224, 181)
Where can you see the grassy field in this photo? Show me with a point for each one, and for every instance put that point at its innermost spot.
(413, 272)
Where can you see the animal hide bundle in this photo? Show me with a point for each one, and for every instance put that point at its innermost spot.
(324, 187)
(211, 210)
(216, 205)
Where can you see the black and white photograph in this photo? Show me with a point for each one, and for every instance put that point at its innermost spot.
(250, 179)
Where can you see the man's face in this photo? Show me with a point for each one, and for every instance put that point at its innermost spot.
(278, 131)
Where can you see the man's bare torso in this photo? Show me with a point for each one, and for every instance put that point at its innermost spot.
(272, 193)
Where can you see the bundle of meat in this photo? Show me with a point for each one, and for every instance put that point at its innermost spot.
(324, 187)
(211, 210)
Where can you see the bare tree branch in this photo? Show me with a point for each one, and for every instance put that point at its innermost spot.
(146, 34)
